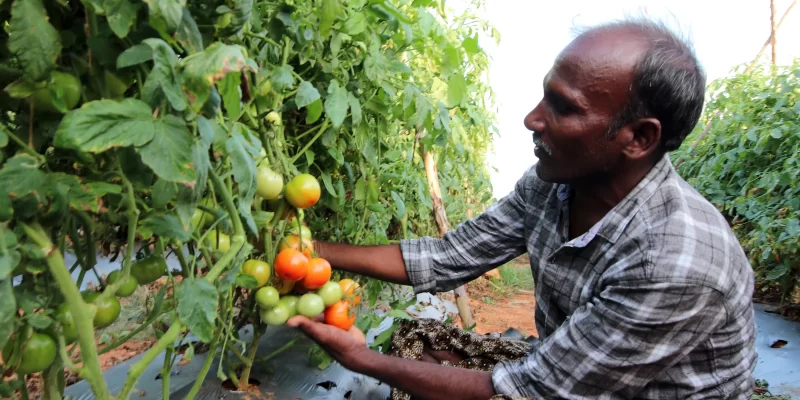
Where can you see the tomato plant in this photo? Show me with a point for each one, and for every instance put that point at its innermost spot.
(139, 133)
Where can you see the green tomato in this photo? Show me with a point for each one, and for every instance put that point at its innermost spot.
(149, 269)
(218, 241)
(107, 310)
(277, 315)
(269, 184)
(69, 86)
(330, 293)
(64, 317)
(265, 87)
(290, 302)
(37, 353)
(310, 305)
(303, 232)
(127, 288)
(259, 270)
(200, 219)
(267, 297)
(274, 118)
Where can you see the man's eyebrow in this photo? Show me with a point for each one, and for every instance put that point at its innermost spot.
(554, 92)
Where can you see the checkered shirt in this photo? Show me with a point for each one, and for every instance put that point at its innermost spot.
(653, 302)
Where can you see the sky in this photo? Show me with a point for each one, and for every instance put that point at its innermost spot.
(725, 34)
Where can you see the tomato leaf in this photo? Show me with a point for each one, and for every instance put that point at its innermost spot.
(456, 89)
(104, 124)
(376, 207)
(21, 175)
(355, 109)
(197, 307)
(170, 12)
(246, 281)
(169, 154)
(354, 25)
(134, 55)
(8, 308)
(40, 321)
(470, 45)
(163, 192)
(229, 90)
(282, 78)
(166, 225)
(306, 94)
(188, 34)
(399, 205)
(360, 193)
(242, 153)
(121, 14)
(398, 314)
(314, 112)
(336, 154)
(336, 104)
(163, 80)
(32, 38)
(329, 10)
(777, 272)
(202, 70)
(326, 180)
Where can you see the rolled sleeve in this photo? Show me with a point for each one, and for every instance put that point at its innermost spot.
(615, 345)
(474, 247)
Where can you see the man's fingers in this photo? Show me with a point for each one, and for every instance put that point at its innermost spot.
(315, 330)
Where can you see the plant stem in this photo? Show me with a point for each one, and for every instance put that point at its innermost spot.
(187, 272)
(165, 372)
(23, 146)
(251, 355)
(50, 389)
(262, 37)
(136, 370)
(133, 220)
(201, 376)
(81, 312)
(314, 139)
(238, 238)
(62, 351)
(280, 350)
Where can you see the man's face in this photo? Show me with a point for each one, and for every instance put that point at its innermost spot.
(585, 89)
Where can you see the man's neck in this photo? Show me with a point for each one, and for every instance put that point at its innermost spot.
(594, 198)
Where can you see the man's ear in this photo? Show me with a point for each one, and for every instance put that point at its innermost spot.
(644, 138)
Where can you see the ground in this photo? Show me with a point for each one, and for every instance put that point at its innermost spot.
(507, 302)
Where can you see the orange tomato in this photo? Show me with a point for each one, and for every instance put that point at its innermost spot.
(291, 265)
(283, 286)
(293, 242)
(339, 316)
(302, 191)
(351, 291)
(319, 273)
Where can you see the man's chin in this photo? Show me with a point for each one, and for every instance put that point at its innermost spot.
(544, 173)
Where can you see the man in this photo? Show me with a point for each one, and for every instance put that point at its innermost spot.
(642, 289)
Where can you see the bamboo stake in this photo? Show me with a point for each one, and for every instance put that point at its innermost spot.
(440, 215)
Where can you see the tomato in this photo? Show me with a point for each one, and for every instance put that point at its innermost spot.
(283, 286)
(218, 241)
(107, 310)
(291, 303)
(201, 218)
(69, 86)
(310, 305)
(127, 288)
(277, 315)
(269, 184)
(37, 353)
(264, 87)
(267, 297)
(331, 293)
(319, 273)
(350, 291)
(257, 269)
(274, 118)
(148, 269)
(64, 318)
(303, 232)
(303, 191)
(293, 242)
(291, 265)
(339, 315)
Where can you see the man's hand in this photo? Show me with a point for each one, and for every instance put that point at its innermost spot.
(344, 346)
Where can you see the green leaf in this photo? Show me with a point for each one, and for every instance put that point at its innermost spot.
(197, 307)
(166, 225)
(399, 205)
(314, 111)
(426, 21)
(456, 89)
(326, 180)
(170, 12)
(104, 124)
(40, 321)
(204, 69)
(354, 25)
(470, 45)
(360, 193)
(8, 309)
(336, 44)
(32, 38)
(398, 314)
(336, 104)
(336, 154)
(21, 88)
(377, 207)
(246, 281)
(163, 192)
(306, 94)
(282, 78)
(242, 153)
(229, 90)
(328, 12)
(121, 15)
(776, 133)
(777, 272)
(134, 55)
(169, 154)
(188, 34)
(163, 80)
(752, 135)
(355, 109)
(3, 139)
(21, 175)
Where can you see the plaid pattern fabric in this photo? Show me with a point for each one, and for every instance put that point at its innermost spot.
(653, 302)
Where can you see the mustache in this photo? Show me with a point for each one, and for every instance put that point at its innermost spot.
(537, 140)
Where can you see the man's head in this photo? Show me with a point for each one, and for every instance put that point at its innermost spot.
(616, 99)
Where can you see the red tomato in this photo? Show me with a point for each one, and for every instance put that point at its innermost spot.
(339, 316)
(291, 265)
(319, 273)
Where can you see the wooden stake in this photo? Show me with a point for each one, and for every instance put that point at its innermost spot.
(440, 215)
(772, 29)
(768, 42)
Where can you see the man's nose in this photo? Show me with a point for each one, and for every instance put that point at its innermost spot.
(534, 121)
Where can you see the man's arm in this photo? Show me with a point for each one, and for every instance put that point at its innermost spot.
(379, 262)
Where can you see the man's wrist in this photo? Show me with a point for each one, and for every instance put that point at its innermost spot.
(364, 360)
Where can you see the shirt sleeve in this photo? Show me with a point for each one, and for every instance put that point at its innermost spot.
(617, 343)
(473, 248)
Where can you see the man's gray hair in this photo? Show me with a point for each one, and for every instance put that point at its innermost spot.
(668, 82)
